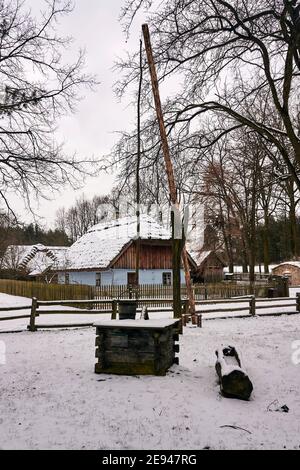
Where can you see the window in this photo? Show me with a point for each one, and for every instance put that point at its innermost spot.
(167, 279)
(131, 279)
(67, 278)
(98, 279)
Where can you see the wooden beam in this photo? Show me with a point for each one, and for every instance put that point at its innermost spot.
(178, 245)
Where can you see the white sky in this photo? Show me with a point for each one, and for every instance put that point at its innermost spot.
(94, 25)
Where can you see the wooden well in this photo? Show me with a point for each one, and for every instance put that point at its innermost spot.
(136, 347)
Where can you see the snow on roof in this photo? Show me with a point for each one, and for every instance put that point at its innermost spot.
(36, 259)
(104, 241)
(201, 256)
(289, 263)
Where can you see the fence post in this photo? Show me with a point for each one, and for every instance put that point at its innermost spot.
(185, 307)
(180, 326)
(130, 291)
(185, 311)
(252, 305)
(114, 305)
(286, 282)
(298, 301)
(34, 305)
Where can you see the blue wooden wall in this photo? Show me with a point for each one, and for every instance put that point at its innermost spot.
(116, 277)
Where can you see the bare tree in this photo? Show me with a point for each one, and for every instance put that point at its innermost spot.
(38, 86)
(228, 55)
(85, 213)
(289, 201)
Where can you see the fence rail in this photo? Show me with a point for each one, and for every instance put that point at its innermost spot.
(12, 309)
(249, 303)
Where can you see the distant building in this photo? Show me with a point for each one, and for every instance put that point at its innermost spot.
(290, 269)
(39, 262)
(210, 266)
(106, 254)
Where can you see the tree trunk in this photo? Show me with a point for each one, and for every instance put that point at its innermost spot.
(178, 246)
(293, 226)
(266, 243)
(227, 237)
(252, 247)
(252, 242)
(176, 258)
(138, 164)
(234, 380)
(245, 260)
(230, 241)
(252, 263)
(188, 282)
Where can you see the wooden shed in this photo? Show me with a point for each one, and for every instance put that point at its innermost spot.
(210, 266)
(289, 269)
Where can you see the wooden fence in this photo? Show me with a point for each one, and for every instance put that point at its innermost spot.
(250, 303)
(218, 306)
(89, 308)
(44, 291)
(259, 277)
(221, 290)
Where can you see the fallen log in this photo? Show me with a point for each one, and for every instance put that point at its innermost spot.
(234, 381)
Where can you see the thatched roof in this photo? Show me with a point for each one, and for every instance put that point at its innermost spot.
(98, 248)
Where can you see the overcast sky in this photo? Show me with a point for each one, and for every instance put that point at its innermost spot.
(94, 25)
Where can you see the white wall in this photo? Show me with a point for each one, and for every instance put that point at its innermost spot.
(116, 277)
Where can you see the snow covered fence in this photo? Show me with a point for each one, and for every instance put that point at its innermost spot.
(219, 290)
(36, 304)
(245, 306)
(207, 309)
(245, 303)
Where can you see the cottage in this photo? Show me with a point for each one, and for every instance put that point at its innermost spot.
(39, 262)
(290, 269)
(106, 254)
(210, 267)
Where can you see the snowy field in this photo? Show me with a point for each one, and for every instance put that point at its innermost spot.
(51, 398)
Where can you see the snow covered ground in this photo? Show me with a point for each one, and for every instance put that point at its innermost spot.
(50, 397)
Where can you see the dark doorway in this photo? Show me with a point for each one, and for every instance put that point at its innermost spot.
(131, 279)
